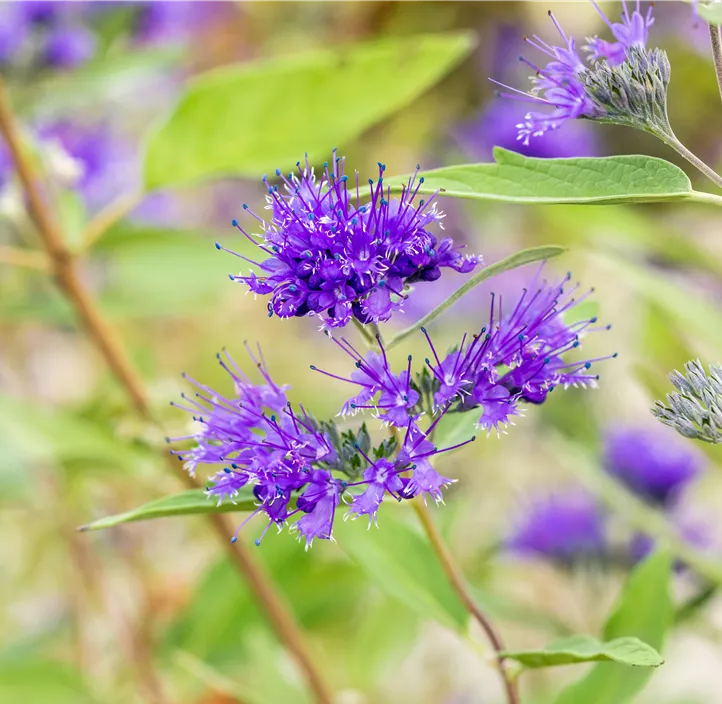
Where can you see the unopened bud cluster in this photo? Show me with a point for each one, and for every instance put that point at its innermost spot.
(695, 411)
(633, 93)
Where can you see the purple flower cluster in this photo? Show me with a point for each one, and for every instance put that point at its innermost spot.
(560, 84)
(330, 255)
(515, 358)
(570, 527)
(293, 462)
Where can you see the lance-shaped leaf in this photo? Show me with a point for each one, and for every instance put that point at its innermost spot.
(186, 503)
(514, 178)
(247, 119)
(578, 649)
(525, 256)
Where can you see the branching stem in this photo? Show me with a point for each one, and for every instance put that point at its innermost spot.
(64, 265)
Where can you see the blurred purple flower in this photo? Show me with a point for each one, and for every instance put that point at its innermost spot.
(692, 531)
(68, 47)
(14, 30)
(566, 527)
(55, 34)
(655, 463)
(332, 256)
(167, 22)
(105, 165)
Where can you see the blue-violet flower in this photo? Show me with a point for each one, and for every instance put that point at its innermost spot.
(330, 255)
(293, 462)
(560, 85)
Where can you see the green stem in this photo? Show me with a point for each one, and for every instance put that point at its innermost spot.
(670, 139)
(368, 337)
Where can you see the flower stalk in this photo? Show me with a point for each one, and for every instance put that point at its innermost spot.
(670, 139)
(456, 580)
(63, 263)
(715, 36)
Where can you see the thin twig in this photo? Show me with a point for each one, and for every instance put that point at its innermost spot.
(457, 581)
(108, 217)
(715, 36)
(24, 257)
(64, 266)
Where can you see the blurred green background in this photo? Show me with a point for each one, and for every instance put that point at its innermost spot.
(87, 617)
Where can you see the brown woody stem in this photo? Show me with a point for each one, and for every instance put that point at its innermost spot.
(64, 265)
(457, 581)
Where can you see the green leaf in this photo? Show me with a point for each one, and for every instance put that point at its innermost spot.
(32, 434)
(155, 271)
(187, 503)
(525, 256)
(579, 649)
(247, 119)
(519, 179)
(401, 562)
(645, 610)
(42, 681)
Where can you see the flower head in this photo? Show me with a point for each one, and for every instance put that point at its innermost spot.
(655, 464)
(267, 445)
(562, 85)
(517, 357)
(565, 527)
(299, 469)
(330, 255)
(390, 395)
